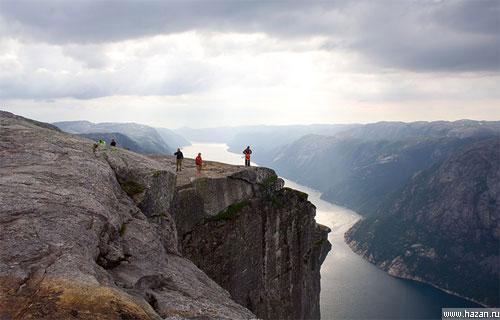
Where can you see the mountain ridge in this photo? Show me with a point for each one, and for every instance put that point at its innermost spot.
(148, 140)
(443, 227)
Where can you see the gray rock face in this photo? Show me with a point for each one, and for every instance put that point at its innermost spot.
(206, 197)
(92, 233)
(277, 276)
(443, 228)
(74, 244)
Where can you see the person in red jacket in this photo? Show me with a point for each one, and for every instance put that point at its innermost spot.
(247, 152)
(199, 163)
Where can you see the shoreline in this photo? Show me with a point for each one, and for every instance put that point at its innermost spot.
(351, 244)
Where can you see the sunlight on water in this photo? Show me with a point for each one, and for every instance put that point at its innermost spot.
(214, 152)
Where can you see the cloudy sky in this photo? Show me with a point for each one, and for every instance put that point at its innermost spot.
(211, 63)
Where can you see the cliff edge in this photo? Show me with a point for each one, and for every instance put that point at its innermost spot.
(87, 233)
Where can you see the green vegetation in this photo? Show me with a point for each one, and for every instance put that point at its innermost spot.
(277, 202)
(231, 211)
(157, 173)
(319, 243)
(300, 194)
(123, 229)
(131, 188)
(268, 185)
(270, 181)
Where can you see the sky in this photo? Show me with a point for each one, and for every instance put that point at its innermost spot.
(222, 63)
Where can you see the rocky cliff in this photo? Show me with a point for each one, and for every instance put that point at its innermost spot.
(443, 228)
(277, 275)
(87, 233)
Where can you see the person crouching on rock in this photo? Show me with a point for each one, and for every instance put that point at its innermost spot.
(199, 163)
(178, 163)
(247, 152)
(113, 143)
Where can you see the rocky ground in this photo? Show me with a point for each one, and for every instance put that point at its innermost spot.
(87, 233)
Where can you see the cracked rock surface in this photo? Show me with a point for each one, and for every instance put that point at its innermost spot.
(91, 233)
(86, 234)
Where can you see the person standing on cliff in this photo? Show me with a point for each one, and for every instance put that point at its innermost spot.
(247, 152)
(178, 163)
(199, 163)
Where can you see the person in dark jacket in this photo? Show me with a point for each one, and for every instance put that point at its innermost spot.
(178, 163)
(113, 143)
(247, 152)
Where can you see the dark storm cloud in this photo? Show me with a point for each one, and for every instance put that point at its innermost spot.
(411, 35)
(431, 36)
(477, 16)
(101, 21)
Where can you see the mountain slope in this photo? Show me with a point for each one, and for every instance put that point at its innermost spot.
(146, 137)
(436, 129)
(122, 140)
(264, 140)
(443, 227)
(360, 167)
(359, 174)
(172, 139)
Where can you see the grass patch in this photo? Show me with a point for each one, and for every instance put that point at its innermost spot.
(157, 173)
(131, 188)
(300, 194)
(319, 243)
(267, 186)
(123, 229)
(270, 181)
(277, 202)
(231, 211)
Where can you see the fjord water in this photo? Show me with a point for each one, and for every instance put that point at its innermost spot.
(351, 287)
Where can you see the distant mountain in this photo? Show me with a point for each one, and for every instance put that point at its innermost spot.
(443, 227)
(172, 139)
(265, 139)
(358, 168)
(436, 129)
(262, 139)
(359, 174)
(122, 140)
(220, 134)
(147, 138)
(75, 126)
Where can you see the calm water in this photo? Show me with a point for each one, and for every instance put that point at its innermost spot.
(352, 288)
